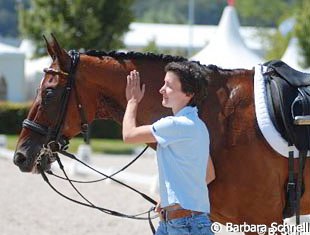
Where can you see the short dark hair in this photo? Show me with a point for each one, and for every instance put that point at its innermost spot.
(193, 79)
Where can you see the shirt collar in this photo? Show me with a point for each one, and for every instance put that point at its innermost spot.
(186, 110)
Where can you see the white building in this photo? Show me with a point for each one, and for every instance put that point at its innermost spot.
(176, 36)
(34, 74)
(12, 79)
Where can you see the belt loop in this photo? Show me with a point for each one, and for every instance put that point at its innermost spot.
(163, 215)
(192, 213)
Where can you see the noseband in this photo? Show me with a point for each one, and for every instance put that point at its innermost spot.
(55, 141)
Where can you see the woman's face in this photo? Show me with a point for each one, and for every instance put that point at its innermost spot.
(173, 96)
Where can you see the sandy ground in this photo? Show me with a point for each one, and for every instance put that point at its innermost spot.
(28, 206)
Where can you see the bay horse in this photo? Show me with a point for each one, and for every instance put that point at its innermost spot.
(250, 176)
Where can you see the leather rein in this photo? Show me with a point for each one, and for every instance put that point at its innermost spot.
(57, 143)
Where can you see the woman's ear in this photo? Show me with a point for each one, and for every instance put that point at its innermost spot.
(191, 95)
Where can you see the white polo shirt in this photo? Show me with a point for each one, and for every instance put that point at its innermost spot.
(182, 156)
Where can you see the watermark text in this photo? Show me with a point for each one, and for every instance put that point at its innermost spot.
(262, 229)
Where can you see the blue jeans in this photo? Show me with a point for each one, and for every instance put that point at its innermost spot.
(192, 225)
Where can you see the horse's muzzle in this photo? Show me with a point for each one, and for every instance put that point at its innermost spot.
(22, 162)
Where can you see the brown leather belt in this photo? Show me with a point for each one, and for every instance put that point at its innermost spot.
(166, 215)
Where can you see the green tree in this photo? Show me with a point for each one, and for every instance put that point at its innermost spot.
(176, 11)
(77, 24)
(251, 12)
(277, 44)
(151, 47)
(302, 30)
(264, 12)
(269, 13)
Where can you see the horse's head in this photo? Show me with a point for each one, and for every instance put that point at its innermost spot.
(55, 115)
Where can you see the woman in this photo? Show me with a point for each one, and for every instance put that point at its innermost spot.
(182, 147)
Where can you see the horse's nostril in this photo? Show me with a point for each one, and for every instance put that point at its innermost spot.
(19, 159)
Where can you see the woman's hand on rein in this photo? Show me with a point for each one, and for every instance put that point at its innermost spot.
(133, 89)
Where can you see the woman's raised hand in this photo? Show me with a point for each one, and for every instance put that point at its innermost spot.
(133, 89)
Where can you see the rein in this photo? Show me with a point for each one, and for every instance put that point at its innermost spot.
(102, 179)
(56, 143)
(88, 203)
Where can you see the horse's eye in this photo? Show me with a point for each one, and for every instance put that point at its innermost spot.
(49, 92)
(48, 96)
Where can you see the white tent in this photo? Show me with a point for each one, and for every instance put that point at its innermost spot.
(227, 48)
(177, 36)
(12, 71)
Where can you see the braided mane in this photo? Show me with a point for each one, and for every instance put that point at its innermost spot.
(136, 55)
(214, 69)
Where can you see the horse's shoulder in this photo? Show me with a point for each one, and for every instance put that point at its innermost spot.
(238, 110)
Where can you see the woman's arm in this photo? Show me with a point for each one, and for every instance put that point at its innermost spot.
(210, 171)
(134, 94)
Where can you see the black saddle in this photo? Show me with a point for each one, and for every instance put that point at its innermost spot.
(288, 95)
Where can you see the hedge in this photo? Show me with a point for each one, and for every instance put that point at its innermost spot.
(13, 114)
(105, 129)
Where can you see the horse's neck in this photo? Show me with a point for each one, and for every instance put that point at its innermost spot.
(108, 77)
(105, 79)
(229, 109)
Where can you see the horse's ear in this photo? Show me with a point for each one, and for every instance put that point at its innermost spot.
(62, 56)
(49, 48)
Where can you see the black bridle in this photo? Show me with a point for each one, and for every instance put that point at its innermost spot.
(54, 138)
(57, 143)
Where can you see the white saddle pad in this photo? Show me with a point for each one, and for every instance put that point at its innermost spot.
(265, 124)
